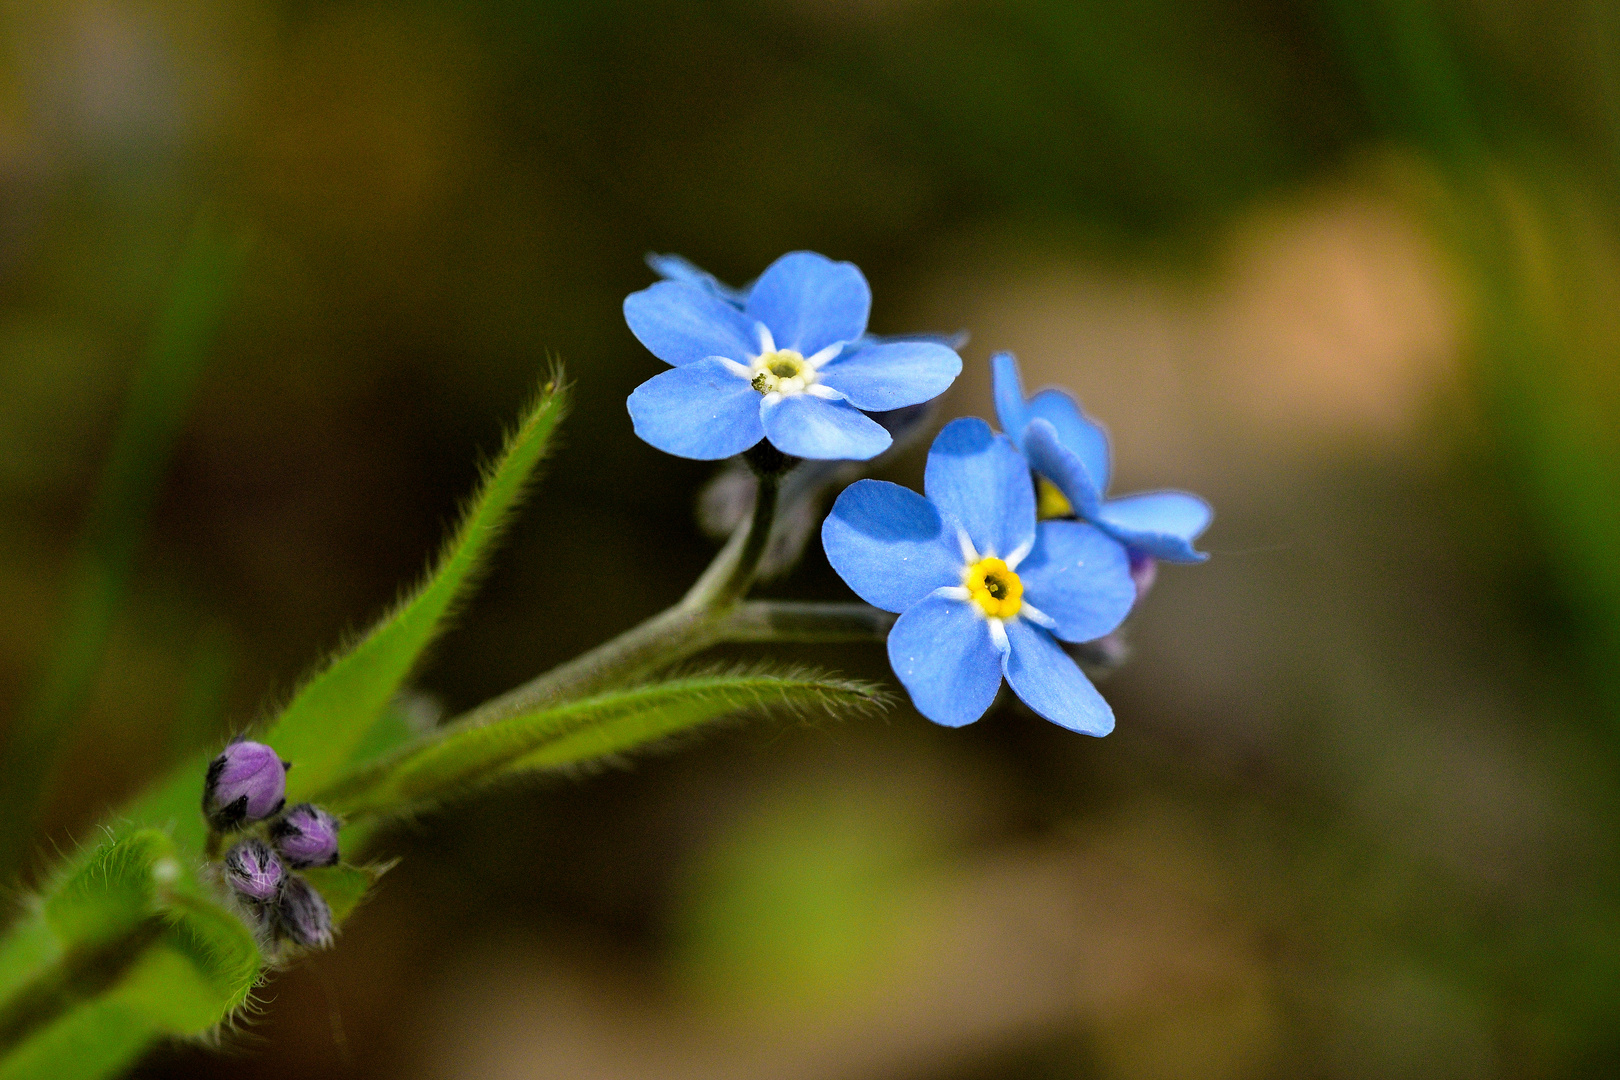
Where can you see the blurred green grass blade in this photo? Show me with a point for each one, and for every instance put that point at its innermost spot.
(1403, 55)
(203, 284)
(1545, 367)
(125, 946)
(332, 715)
(456, 759)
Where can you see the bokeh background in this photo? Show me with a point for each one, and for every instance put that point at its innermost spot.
(1348, 268)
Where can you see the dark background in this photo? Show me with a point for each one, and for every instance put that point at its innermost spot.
(1349, 270)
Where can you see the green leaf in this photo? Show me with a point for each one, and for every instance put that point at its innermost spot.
(331, 716)
(349, 713)
(456, 758)
(343, 887)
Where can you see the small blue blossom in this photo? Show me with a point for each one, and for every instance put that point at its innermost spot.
(1069, 449)
(787, 360)
(982, 590)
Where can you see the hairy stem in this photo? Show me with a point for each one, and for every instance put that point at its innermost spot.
(788, 621)
(667, 638)
(79, 975)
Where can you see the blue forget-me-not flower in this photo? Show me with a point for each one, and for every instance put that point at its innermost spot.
(982, 590)
(788, 362)
(1071, 451)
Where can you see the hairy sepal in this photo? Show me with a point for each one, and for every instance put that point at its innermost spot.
(125, 946)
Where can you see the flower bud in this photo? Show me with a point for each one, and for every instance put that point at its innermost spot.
(302, 916)
(247, 782)
(306, 836)
(1098, 658)
(1144, 568)
(253, 872)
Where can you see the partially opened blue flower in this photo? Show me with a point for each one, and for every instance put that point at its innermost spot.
(788, 364)
(982, 590)
(1069, 449)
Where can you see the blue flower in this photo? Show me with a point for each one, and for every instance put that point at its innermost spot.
(1070, 450)
(788, 362)
(982, 590)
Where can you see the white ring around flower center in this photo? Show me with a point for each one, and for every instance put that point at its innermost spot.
(781, 371)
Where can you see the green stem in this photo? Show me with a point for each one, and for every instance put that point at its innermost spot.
(81, 974)
(788, 621)
(669, 637)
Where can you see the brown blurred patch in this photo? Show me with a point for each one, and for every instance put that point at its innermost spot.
(1016, 944)
(363, 123)
(1328, 322)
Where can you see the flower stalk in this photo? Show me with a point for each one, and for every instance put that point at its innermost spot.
(697, 622)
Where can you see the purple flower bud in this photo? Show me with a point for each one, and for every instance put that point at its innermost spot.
(302, 916)
(306, 836)
(248, 782)
(253, 871)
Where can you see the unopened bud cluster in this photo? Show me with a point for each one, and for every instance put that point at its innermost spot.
(246, 792)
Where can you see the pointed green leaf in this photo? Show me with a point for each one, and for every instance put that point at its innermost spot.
(349, 713)
(456, 758)
(334, 711)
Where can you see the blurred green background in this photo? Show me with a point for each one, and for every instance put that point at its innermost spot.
(1349, 269)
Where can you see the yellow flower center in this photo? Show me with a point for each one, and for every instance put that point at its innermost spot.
(994, 587)
(782, 372)
(1049, 501)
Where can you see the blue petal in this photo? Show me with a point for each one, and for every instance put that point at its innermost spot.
(1049, 457)
(810, 427)
(703, 411)
(810, 302)
(1075, 430)
(941, 651)
(676, 268)
(1079, 433)
(1007, 386)
(1161, 523)
(982, 482)
(1048, 681)
(878, 378)
(1080, 577)
(889, 544)
(681, 324)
